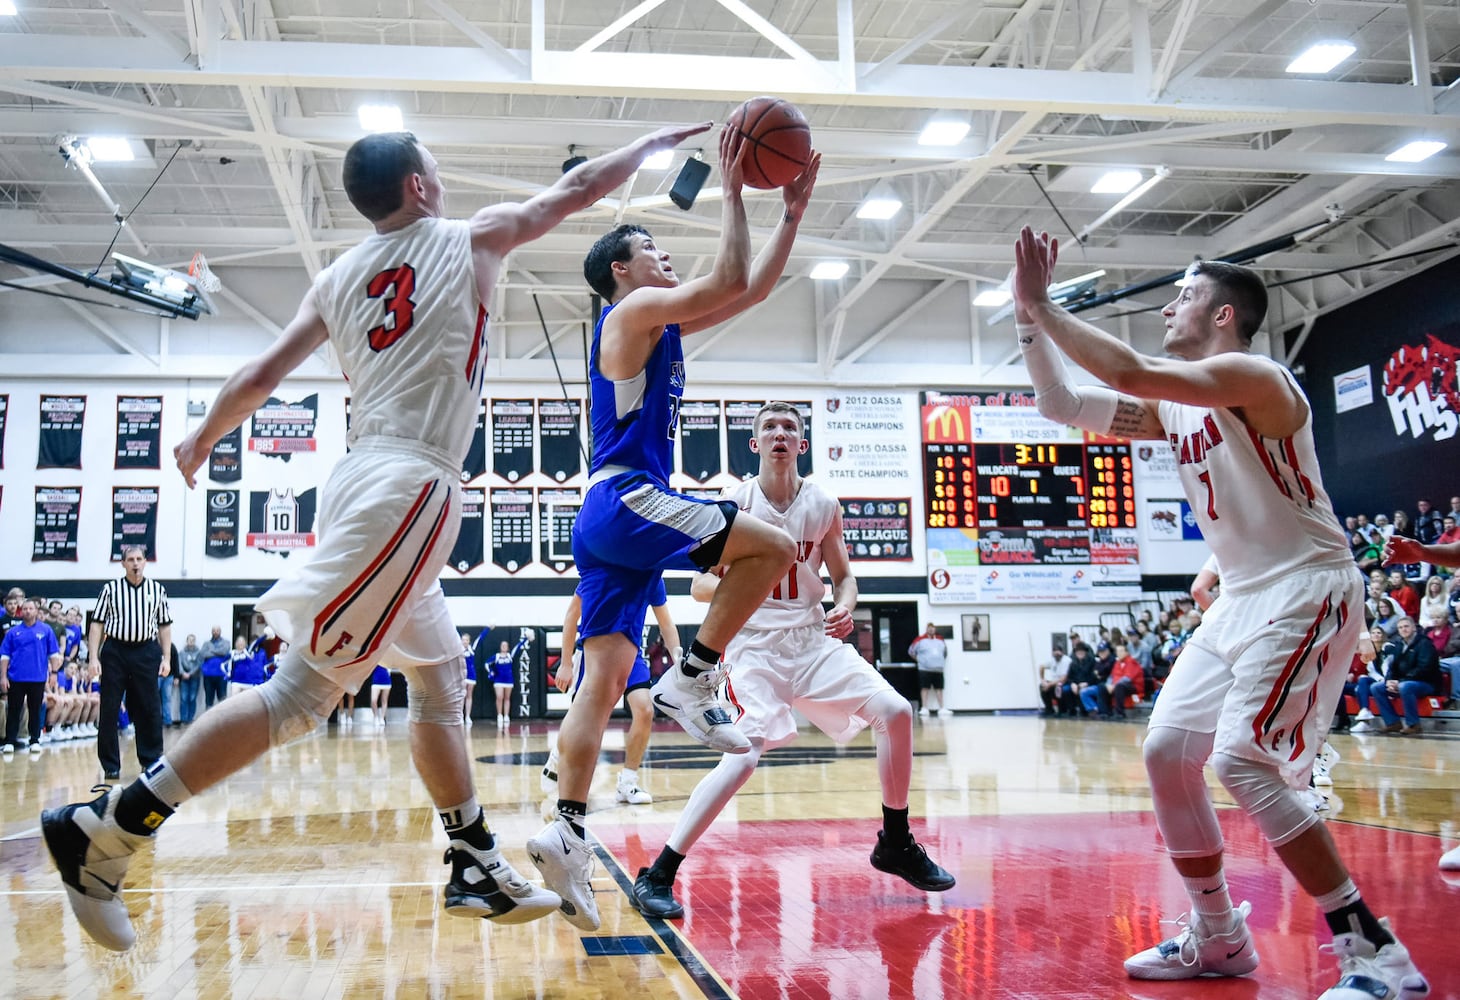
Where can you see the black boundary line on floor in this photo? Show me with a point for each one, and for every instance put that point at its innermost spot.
(666, 933)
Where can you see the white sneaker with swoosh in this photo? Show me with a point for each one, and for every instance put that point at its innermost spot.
(693, 703)
(1196, 951)
(565, 862)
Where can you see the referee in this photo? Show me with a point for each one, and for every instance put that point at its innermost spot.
(133, 614)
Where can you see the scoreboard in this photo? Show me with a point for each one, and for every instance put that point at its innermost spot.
(1020, 509)
(1028, 485)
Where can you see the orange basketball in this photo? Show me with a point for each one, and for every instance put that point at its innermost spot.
(780, 137)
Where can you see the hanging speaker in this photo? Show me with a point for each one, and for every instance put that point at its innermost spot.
(687, 185)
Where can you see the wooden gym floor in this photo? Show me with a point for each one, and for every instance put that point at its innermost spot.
(317, 873)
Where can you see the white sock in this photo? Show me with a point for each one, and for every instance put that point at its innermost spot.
(162, 781)
(628, 777)
(1210, 900)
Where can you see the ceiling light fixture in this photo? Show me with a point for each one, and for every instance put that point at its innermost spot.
(7, 8)
(1414, 152)
(992, 298)
(882, 204)
(380, 118)
(661, 160)
(1321, 57)
(1116, 182)
(109, 149)
(943, 132)
(830, 270)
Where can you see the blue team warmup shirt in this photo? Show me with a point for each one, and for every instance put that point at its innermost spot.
(30, 648)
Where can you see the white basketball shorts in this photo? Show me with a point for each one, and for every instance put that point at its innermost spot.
(1265, 669)
(775, 671)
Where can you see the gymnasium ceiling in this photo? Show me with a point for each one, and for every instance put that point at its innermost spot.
(258, 101)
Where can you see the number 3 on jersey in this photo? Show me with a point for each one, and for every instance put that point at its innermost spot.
(400, 311)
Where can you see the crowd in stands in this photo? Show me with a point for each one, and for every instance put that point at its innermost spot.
(1118, 667)
(71, 703)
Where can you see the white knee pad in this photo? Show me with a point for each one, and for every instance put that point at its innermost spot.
(435, 694)
(1175, 760)
(1263, 794)
(299, 699)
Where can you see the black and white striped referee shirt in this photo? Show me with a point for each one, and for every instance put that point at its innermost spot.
(132, 614)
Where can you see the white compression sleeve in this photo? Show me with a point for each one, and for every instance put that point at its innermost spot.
(1088, 407)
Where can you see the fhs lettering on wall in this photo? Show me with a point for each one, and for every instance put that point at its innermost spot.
(222, 541)
(134, 520)
(279, 521)
(57, 515)
(1422, 388)
(281, 429)
(139, 432)
(62, 418)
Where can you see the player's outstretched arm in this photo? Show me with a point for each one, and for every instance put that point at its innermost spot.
(770, 263)
(834, 557)
(1230, 380)
(249, 388)
(1406, 550)
(500, 228)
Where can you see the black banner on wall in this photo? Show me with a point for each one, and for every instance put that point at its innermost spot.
(877, 530)
(57, 514)
(559, 436)
(512, 438)
(4, 411)
(466, 554)
(225, 461)
(282, 429)
(476, 455)
(699, 439)
(279, 521)
(61, 420)
(740, 428)
(139, 432)
(222, 540)
(1381, 375)
(511, 528)
(134, 520)
(557, 510)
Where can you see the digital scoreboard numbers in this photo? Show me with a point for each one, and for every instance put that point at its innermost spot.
(1111, 484)
(950, 486)
(1030, 485)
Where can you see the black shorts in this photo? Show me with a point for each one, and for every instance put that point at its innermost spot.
(931, 679)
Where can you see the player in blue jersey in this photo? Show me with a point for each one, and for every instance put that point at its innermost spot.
(633, 526)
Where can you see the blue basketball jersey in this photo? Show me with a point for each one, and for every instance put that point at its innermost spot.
(634, 421)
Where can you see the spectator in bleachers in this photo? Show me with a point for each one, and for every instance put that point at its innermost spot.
(1052, 679)
(1404, 596)
(1386, 528)
(1126, 680)
(1455, 596)
(1449, 530)
(1367, 552)
(1081, 676)
(1366, 665)
(1386, 617)
(1434, 605)
(1413, 673)
(1427, 524)
(1094, 699)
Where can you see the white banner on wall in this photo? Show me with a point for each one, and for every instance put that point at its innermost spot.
(868, 440)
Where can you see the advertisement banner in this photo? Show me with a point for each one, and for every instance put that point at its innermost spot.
(877, 530)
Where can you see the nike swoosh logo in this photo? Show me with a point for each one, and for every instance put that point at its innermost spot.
(1233, 954)
(112, 887)
(659, 700)
(566, 848)
(1208, 892)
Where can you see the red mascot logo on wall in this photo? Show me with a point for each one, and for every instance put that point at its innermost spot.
(1422, 388)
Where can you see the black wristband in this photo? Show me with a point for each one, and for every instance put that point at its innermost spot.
(788, 217)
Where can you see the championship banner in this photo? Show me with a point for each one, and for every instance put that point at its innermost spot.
(134, 520)
(559, 437)
(279, 521)
(511, 528)
(867, 438)
(511, 438)
(466, 554)
(282, 429)
(222, 542)
(740, 428)
(139, 432)
(475, 463)
(877, 530)
(557, 510)
(4, 410)
(699, 439)
(704, 492)
(61, 421)
(225, 461)
(57, 514)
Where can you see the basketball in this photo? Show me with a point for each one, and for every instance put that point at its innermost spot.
(780, 141)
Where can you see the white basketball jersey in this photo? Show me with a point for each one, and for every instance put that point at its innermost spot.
(403, 314)
(1259, 501)
(796, 599)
